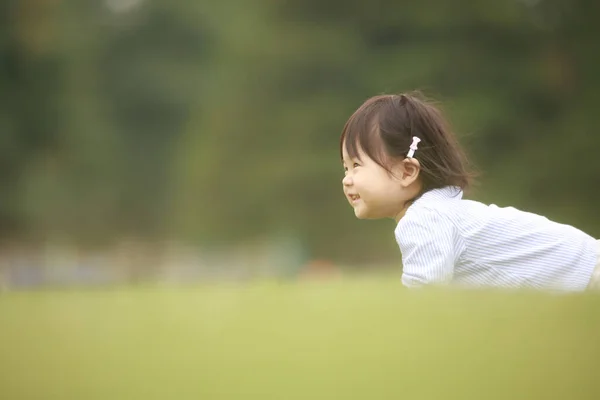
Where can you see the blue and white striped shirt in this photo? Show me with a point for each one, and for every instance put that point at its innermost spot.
(446, 239)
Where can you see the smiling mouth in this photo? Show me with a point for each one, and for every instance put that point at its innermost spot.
(354, 198)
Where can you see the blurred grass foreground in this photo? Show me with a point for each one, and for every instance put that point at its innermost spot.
(336, 339)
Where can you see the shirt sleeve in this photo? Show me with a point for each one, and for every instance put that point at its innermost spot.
(428, 246)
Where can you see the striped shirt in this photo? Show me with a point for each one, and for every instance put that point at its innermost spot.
(447, 239)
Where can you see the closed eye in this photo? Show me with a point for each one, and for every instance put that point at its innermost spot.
(354, 165)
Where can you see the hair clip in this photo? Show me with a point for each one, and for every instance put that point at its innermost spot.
(413, 147)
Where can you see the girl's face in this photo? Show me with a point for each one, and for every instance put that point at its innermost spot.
(372, 191)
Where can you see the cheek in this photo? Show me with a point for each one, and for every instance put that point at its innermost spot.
(389, 187)
(363, 182)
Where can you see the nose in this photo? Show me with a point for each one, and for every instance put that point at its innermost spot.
(347, 180)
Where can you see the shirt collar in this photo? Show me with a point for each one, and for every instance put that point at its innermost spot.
(445, 193)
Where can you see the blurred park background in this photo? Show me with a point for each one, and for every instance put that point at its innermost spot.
(150, 144)
(155, 140)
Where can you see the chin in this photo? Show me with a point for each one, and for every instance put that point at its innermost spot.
(362, 214)
(358, 214)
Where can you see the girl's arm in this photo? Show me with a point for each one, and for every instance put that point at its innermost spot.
(429, 246)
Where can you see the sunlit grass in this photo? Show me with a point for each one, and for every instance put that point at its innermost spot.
(343, 339)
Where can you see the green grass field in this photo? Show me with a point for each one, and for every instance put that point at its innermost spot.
(349, 339)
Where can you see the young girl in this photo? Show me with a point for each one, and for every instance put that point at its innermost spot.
(401, 161)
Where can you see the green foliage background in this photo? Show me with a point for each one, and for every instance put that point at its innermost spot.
(218, 122)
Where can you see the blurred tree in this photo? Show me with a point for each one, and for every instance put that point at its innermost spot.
(301, 67)
(30, 76)
(218, 122)
(130, 75)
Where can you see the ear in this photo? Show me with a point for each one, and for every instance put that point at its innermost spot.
(410, 171)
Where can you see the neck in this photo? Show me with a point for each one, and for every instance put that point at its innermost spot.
(399, 216)
(407, 204)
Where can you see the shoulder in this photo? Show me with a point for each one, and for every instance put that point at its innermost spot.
(420, 221)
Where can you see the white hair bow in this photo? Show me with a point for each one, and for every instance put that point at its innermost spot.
(413, 147)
